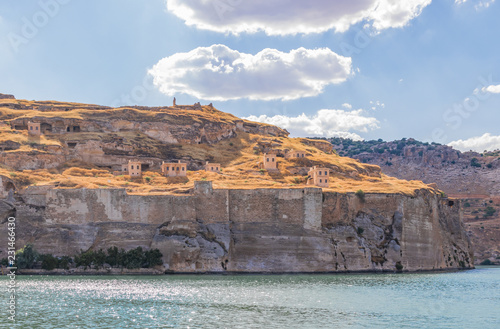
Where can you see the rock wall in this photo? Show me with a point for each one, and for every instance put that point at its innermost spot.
(261, 230)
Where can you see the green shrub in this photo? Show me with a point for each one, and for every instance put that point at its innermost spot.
(115, 256)
(134, 258)
(467, 205)
(85, 259)
(360, 230)
(153, 257)
(361, 195)
(99, 258)
(4, 262)
(486, 262)
(399, 266)
(49, 262)
(489, 211)
(148, 179)
(64, 262)
(26, 256)
(475, 163)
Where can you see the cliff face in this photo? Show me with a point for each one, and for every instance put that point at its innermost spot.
(260, 230)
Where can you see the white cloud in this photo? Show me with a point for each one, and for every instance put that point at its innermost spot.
(347, 106)
(478, 144)
(281, 17)
(481, 4)
(492, 89)
(325, 123)
(484, 4)
(376, 105)
(219, 73)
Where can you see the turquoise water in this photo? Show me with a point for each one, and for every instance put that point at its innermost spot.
(468, 299)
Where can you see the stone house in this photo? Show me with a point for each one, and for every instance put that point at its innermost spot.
(213, 167)
(318, 176)
(294, 154)
(132, 168)
(34, 128)
(269, 161)
(172, 169)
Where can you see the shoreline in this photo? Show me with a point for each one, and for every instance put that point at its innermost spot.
(158, 272)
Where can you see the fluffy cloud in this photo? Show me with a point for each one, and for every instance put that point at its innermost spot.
(478, 144)
(325, 123)
(219, 73)
(281, 17)
(492, 89)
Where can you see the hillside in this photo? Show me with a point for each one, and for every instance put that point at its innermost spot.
(86, 177)
(82, 146)
(470, 176)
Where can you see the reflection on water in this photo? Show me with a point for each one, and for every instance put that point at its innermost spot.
(469, 299)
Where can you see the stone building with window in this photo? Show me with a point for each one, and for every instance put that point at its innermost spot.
(318, 176)
(174, 169)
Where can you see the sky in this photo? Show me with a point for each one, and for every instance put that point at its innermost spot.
(363, 69)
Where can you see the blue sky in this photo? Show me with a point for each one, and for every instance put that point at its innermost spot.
(365, 68)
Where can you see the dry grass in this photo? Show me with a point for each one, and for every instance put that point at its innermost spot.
(239, 156)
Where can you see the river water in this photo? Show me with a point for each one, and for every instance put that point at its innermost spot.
(466, 299)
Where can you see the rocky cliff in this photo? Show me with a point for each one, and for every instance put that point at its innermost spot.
(469, 176)
(258, 230)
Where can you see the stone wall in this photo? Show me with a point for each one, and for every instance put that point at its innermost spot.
(261, 230)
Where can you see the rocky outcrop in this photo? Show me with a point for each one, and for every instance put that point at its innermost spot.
(6, 96)
(261, 230)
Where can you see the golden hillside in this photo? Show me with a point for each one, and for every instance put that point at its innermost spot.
(87, 157)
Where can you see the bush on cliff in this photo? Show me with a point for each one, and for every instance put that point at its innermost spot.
(361, 195)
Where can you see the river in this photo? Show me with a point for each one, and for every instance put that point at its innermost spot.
(465, 299)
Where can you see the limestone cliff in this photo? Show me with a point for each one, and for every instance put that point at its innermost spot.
(256, 230)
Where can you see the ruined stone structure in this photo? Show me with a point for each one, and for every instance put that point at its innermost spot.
(172, 169)
(318, 176)
(293, 154)
(269, 161)
(132, 168)
(213, 167)
(260, 230)
(34, 128)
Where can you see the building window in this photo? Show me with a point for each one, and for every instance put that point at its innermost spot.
(321, 181)
(302, 155)
(272, 159)
(132, 167)
(182, 168)
(326, 180)
(216, 168)
(267, 159)
(36, 128)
